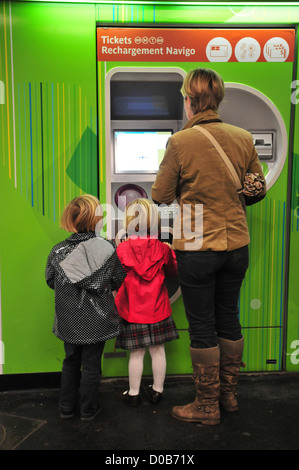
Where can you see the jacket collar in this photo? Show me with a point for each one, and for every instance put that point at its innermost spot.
(81, 237)
(209, 115)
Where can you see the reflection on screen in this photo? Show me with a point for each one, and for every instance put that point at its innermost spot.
(139, 151)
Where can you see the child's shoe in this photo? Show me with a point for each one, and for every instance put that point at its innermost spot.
(154, 397)
(133, 400)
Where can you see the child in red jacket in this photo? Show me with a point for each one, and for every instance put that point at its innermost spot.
(142, 300)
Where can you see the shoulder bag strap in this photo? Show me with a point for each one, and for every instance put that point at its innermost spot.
(224, 157)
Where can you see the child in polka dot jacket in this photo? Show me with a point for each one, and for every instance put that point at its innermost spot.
(84, 271)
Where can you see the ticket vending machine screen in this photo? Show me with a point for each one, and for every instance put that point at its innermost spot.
(139, 151)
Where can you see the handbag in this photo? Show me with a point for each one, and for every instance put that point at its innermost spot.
(249, 192)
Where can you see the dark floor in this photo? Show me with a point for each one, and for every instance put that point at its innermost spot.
(268, 419)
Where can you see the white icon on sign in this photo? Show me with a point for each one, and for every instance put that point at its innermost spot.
(219, 50)
(247, 50)
(276, 50)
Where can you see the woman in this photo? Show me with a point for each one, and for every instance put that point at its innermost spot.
(212, 255)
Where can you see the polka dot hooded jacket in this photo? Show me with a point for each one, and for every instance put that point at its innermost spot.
(83, 270)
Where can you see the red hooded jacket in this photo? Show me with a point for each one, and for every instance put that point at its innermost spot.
(143, 296)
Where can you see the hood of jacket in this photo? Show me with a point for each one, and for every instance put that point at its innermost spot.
(86, 261)
(144, 256)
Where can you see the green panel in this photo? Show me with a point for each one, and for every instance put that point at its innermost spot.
(261, 300)
(177, 12)
(262, 349)
(292, 346)
(48, 142)
(115, 362)
(101, 131)
(27, 303)
(48, 147)
(292, 350)
(50, 114)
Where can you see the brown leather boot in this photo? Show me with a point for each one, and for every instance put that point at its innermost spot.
(230, 362)
(205, 408)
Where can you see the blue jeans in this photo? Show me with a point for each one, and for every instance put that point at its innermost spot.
(87, 357)
(210, 282)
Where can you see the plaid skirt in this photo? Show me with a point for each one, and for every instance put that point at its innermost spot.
(141, 335)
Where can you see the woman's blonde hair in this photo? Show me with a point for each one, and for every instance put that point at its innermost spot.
(205, 89)
(81, 214)
(142, 218)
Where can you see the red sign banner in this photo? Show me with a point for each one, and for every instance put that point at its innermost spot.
(195, 45)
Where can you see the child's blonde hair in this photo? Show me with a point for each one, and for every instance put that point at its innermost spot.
(81, 214)
(142, 218)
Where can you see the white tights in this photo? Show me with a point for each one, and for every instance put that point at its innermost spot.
(136, 368)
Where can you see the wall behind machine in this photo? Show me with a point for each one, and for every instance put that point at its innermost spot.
(51, 150)
(48, 156)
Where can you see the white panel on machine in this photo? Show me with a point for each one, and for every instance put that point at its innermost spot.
(246, 107)
(146, 108)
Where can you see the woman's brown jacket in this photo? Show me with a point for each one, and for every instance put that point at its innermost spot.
(193, 173)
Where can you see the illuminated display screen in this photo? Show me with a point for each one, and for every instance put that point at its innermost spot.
(139, 151)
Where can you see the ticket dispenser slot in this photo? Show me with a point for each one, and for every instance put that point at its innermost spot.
(146, 108)
(264, 144)
(246, 107)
